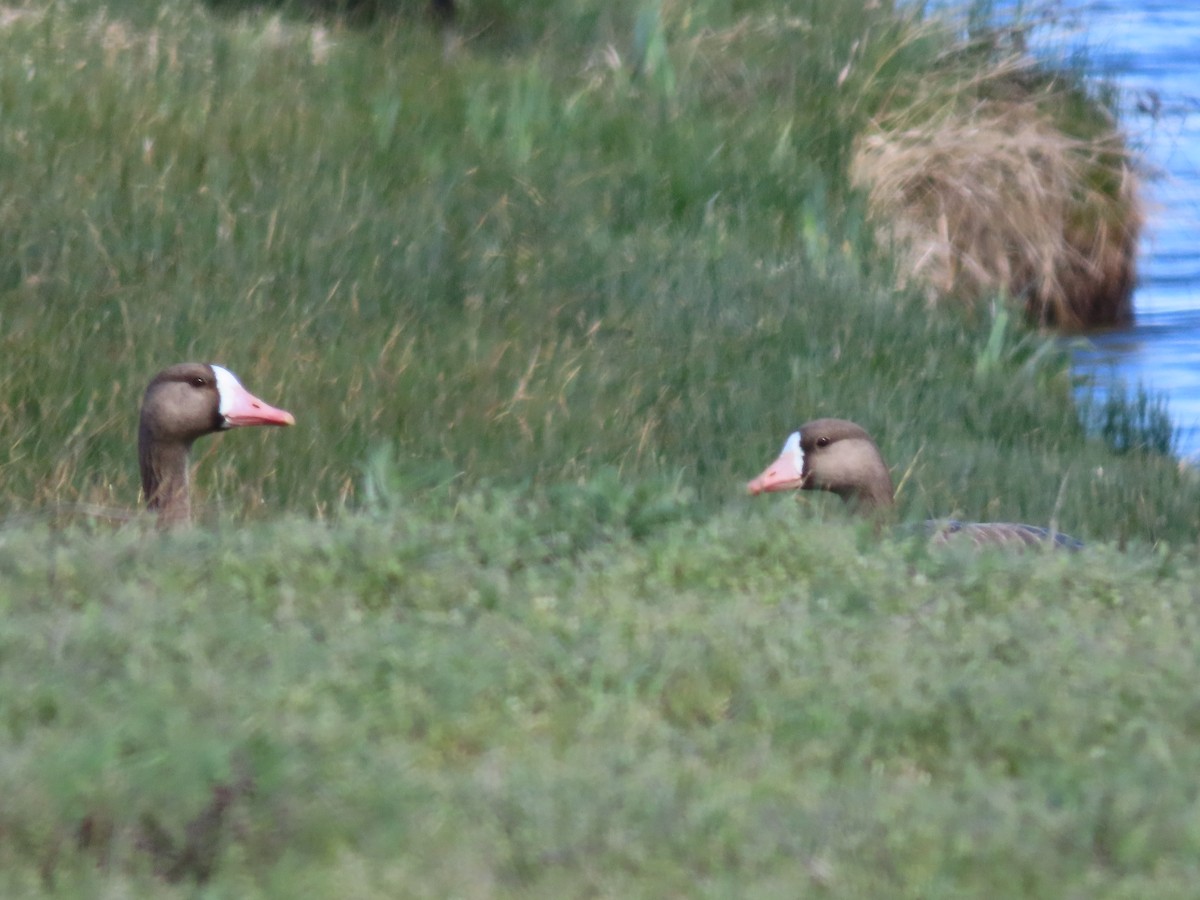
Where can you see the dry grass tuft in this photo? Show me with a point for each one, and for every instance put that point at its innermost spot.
(993, 196)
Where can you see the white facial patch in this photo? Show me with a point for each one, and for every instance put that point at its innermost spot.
(228, 387)
(792, 446)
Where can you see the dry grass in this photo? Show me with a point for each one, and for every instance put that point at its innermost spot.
(985, 194)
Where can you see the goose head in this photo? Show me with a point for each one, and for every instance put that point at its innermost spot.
(832, 455)
(182, 403)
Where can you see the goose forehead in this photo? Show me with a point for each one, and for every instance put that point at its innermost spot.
(791, 447)
(228, 388)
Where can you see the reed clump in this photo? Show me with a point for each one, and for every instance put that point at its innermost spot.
(1007, 179)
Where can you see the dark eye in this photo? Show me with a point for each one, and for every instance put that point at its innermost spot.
(822, 442)
(199, 382)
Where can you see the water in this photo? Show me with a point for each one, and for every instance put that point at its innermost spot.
(1151, 50)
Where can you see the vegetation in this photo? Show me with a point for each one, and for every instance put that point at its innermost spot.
(496, 618)
(1002, 176)
(1131, 422)
(514, 696)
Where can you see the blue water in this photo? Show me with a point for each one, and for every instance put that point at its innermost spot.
(1151, 52)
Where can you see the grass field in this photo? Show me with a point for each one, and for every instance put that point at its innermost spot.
(496, 617)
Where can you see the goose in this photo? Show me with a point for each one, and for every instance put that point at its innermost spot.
(839, 456)
(181, 403)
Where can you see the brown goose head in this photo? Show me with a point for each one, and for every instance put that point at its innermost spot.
(182, 403)
(830, 455)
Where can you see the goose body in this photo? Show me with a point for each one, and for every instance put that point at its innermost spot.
(182, 403)
(839, 456)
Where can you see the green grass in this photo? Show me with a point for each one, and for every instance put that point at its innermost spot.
(520, 266)
(515, 696)
(496, 617)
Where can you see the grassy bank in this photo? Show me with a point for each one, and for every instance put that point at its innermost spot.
(508, 265)
(496, 618)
